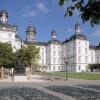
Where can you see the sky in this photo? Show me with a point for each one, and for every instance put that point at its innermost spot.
(47, 15)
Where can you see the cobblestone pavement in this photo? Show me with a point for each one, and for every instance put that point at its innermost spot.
(95, 87)
(73, 89)
(76, 92)
(15, 93)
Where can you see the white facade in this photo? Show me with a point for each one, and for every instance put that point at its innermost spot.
(74, 54)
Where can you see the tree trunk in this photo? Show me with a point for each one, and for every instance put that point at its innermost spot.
(2, 73)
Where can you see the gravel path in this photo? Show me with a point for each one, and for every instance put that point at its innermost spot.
(42, 89)
(15, 93)
(75, 92)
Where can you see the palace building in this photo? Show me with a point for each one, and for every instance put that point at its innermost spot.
(74, 53)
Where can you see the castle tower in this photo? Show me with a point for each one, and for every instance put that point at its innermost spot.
(77, 29)
(31, 33)
(3, 16)
(53, 34)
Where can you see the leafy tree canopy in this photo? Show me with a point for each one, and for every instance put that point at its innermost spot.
(29, 55)
(89, 9)
(7, 57)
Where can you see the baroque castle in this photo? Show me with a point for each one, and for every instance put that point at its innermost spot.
(74, 53)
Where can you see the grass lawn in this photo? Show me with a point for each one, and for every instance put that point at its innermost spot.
(82, 75)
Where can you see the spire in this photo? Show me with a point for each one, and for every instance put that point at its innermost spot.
(31, 23)
(3, 16)
(77, 28)
(53, 34)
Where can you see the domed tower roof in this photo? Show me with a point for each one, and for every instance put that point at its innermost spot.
(30, 28)
(3, 16)
(53, 34)
(78, 36)
(31, 33)
(3, 12)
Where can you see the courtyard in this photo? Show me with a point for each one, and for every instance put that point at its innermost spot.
(42, 88)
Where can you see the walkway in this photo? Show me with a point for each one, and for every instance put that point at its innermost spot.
(44, 85)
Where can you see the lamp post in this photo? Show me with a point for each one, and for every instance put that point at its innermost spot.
(66, 70)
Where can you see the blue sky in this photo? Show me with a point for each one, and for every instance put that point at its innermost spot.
(46, 15)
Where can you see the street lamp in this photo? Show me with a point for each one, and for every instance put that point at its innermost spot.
(66, 63)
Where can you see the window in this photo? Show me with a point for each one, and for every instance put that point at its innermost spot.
(79, 50)
(49, 68)
(10, 42)
(53, 67)
(54, 47)
(78, 42)
(42, 53)
(9, 35)
(58, 53)
(85, 43)
(42, 61)
(79, 67)
(42, 48)
(86, 50)
(91, 59)
(58, 47)
(54, 60)
(58, 60)
(86, 59)
(79, 58)
(58, 68)
(54, 53)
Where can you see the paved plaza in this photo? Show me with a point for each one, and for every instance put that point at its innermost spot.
(44, 89)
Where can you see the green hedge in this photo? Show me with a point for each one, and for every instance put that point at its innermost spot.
(94, 66)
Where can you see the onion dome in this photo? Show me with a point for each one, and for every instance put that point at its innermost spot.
(78, 36)
(3, 12)
(53, 34)
(30, 28)
(31, 33)
(3, 16)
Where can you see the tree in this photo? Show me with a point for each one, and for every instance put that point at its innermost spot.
(7, 57)
(89, 9)
(29, 55)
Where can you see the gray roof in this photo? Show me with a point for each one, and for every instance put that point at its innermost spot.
(36, 43)
(78, 36)
(54, 41)
(8, 26)
(95, 47)
(18, 37)
(30, 28)
(41, 43)
(65, 41)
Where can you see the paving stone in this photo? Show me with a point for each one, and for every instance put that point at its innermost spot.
(16, 93)
(78, 93)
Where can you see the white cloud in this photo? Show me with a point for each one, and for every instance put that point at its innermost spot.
(41, 6)
(28, 12)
